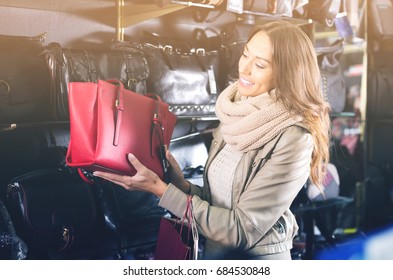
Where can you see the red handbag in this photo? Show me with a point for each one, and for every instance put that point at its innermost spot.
(108, 121)
(178, 238)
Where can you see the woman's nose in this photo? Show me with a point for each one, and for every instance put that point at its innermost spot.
(244, 66)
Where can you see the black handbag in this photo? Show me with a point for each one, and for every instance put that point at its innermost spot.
(233, 40)
(380, 97)
(24, 147)
(381, 19)
(31, 44)
(323, 11)
(24, 83)
(188, 79)
(11, 246)
(53, 211)
(128, 213)
(81, 65)
(332, 78)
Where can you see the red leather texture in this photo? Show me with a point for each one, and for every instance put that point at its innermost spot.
(106, 124)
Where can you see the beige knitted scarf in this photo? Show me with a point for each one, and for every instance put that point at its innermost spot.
(249, 123)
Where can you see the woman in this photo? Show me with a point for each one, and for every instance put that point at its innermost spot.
(273, 135)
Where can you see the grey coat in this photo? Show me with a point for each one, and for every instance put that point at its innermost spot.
(260, 221)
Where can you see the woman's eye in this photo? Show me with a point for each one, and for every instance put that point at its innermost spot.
(260, 66)
(245, 55)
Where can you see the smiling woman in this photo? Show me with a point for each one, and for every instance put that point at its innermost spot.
(273, 136)
(255, 67)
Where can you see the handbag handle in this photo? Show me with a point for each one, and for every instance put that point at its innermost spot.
(187, 215)
(192, 229)
(119, 108)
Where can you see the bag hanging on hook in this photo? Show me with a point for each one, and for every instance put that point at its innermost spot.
(332, 78)
(189, 79)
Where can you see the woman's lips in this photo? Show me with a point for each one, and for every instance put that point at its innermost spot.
(245, 82)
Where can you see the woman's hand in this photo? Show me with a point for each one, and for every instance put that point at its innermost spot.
(143, 180)
(176, 174)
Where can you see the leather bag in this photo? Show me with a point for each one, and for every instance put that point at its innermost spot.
(178, 238)
(81, 65)
(22, 43)
(380, 97)
(108, 121)
(52, 210)
(234, 38)
(187, 79)
(332, 78)
(24, 86)
(11, 246)
(381, 19)
(323, 11)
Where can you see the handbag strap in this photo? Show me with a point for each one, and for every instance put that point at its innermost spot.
(157, 132)
(187, 215)
(119, 108)
(191, 226)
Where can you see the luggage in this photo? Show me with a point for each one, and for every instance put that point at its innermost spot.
(81, 65)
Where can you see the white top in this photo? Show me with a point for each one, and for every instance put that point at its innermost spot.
(220, 175)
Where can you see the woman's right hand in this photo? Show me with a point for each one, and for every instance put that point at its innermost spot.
(176, 174)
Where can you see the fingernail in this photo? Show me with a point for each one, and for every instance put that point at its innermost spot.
(131, 157)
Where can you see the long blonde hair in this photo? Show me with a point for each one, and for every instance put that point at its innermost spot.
(297, 81)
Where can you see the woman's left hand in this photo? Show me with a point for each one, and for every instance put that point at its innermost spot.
(143, 180)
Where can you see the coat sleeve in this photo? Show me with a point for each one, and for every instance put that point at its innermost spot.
(268, 194)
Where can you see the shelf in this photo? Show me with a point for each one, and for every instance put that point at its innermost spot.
(343, 114)
(116, 13)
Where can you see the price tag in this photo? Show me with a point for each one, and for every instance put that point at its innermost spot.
(235, 6)
(212, 80)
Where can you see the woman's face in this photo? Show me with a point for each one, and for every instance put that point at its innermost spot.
(255, 68)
